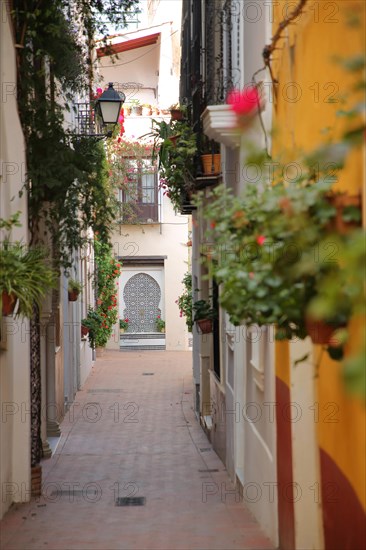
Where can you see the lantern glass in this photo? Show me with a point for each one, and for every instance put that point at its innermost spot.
(109, 111)
(109, 105)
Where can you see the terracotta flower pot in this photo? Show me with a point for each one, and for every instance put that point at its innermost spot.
(73, 295)
(340, 201)
(136, 110)
(84, 330)
(9, 301)
(205, 325)
(211, 164)
(321, 332)
(176, 114)
(146, 111)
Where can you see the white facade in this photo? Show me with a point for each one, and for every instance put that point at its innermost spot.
(14, 345)
(157, 251)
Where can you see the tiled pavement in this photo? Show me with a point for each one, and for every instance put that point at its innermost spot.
(137, 437)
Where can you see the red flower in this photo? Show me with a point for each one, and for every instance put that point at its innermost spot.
(245, 102)
(260, 240)
(213, 225)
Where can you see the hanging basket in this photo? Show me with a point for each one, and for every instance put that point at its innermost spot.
(8, 303)
(73, 295)
(211, 164)
(321, 332)
(205, 325)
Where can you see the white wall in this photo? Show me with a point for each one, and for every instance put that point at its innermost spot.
(152, 67)
(14, 368)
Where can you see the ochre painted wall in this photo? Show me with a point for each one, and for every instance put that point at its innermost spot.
(303, 119)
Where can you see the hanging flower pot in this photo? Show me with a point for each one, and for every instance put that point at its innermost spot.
(73, 295)
(211, 164)
(84, 330)
(321, 332)
(348, 212)
(8, 303)
(205, 325)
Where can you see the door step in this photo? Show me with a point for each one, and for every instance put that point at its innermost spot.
(147, 341)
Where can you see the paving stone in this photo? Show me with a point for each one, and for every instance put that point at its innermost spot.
(143, 441)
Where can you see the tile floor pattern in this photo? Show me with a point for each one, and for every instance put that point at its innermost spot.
(140, 438)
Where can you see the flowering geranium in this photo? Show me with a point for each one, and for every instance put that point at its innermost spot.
(245, 102)
(160, 324)
(105, 314)
(123, 323)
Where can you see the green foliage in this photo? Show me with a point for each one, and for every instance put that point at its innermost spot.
(74, 286)
(128, 160)
(65, 176)
(108, 270)
(93, 322)
(177, 146)
(160, 324)
(123, 323)
(202, 310)
(185, 300)
(272, 252)
(25, 271)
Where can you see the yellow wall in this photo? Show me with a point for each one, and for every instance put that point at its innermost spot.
(305, 57)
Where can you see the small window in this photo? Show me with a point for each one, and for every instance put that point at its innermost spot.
(139, 195)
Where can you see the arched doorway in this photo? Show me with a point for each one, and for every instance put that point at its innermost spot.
(141, 295)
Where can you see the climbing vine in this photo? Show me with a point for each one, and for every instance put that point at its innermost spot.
(67, 178)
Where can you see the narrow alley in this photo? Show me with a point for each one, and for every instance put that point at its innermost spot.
(132, 433)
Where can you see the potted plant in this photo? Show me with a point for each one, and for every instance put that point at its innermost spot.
(146, 109)
(92, 323)
(211, 158)
(136, 108)
(185, 300)
(204, 315)
(123, 325)
(127, 109)
(160, 324)
(177, 111)
(26, 275)
(73, 288)
(266, 252)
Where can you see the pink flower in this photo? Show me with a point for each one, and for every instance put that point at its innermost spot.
(251, 275)
(245, 102)
(260, 240)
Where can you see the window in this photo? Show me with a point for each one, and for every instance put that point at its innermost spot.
(139, 195)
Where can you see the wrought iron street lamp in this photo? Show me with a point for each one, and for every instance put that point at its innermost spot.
(109, 105)
(90, 120)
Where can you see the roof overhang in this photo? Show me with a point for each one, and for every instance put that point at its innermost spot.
(125, 45)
